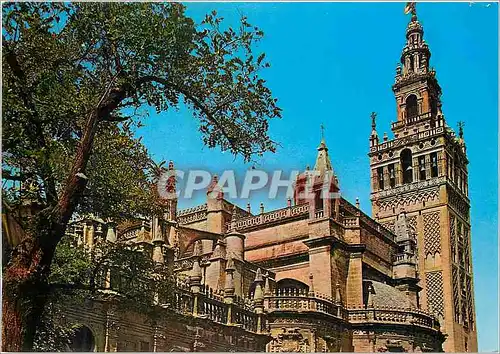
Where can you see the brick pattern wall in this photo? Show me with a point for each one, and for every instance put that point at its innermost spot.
(432, 235)
(434, 288)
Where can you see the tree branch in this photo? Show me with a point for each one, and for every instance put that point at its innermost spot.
(199, 104)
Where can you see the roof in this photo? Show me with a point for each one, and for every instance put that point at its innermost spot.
(386, 296)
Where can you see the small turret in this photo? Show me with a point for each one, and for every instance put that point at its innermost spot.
(373, 135)
(196, 274)
(235, 241)
(229, 289)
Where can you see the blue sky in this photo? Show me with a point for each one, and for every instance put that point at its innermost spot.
(334, 63)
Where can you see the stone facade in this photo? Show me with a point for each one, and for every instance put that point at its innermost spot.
(319, 275)
(423, 172)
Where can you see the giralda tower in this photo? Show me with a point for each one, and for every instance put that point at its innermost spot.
(422, 172)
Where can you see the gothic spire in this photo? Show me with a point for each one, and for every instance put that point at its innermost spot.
(323, 163)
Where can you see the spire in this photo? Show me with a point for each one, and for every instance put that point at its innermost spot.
(214, 190)
(258, 295)
(171, 196)
(415, 56)
(234, 216)
(267, 286)
(323, 163)
(418, 94)
(220, 250)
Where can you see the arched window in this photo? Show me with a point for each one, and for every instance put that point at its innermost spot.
(406, 165)
(83, 340)
(411, 106)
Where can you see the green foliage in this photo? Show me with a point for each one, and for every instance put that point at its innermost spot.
(79, 274)
(64, 62)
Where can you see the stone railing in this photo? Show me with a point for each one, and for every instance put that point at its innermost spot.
(365, 219)
(318, 214)
(393, 315)
(194, 214)
(403, 258)
(351, 222)
(211, 305)
(362, 218)
(303, 301)
(139, 230)
(271, 216)
(192, 210)
(406, 139)
(411, 120)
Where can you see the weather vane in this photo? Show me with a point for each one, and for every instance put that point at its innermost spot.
(411, 8)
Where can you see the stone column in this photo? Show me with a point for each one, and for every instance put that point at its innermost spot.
(355, 280)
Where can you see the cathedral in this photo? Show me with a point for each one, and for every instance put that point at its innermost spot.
(317, 275)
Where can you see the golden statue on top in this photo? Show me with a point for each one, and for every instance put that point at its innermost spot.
(411, 8)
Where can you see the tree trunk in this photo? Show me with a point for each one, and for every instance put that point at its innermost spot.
(25, 285)
(24, 295)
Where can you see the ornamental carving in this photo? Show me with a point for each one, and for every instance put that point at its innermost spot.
(389, 225)
(470, 307)
(411, 221)
(453, 236)
(290, 341)
(456, 293)
(432, 234)
(457, 202)
(409, 199)
(434, 291)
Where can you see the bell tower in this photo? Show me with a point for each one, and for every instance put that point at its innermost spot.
(422, 171)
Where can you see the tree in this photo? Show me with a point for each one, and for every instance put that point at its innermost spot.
(74, 78)
(108, 270)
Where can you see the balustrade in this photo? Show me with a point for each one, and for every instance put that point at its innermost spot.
(393, 315)
(272, 216)
(211, 306)
(300, 300)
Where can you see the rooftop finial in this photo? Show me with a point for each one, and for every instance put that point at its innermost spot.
(411, 8)
(322, 127)
(373, 117)
(461, 129)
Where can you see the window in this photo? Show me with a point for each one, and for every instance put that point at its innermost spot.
(406, 159)
(411, 106)
(392, 175)
(421, 168)
(380, 174)
(434, 164)
(318, 201)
